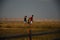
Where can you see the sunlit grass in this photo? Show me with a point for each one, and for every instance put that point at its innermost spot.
(12, 28)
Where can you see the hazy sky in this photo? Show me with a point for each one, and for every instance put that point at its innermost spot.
(20, 8)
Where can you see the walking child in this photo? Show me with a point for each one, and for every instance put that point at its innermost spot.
(25, 19)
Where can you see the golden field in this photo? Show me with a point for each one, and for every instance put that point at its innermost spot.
(18, 27)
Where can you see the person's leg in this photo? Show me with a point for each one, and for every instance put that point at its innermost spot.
(24, 21)
(31, 22)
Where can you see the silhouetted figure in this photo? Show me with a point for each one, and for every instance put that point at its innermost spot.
(25, 19)
(30, 19)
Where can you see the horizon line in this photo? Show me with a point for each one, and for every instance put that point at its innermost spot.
(21, 19)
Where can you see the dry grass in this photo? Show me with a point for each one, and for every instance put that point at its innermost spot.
(12, 28)
(18, 24)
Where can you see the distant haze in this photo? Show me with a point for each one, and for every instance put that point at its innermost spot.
(39, 8)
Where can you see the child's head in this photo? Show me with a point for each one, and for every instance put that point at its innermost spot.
(32, 15)
(25, 16)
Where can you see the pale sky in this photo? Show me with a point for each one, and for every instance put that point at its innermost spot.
(20, 8)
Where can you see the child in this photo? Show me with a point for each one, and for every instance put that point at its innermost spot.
(25, 19)
(31, 19)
